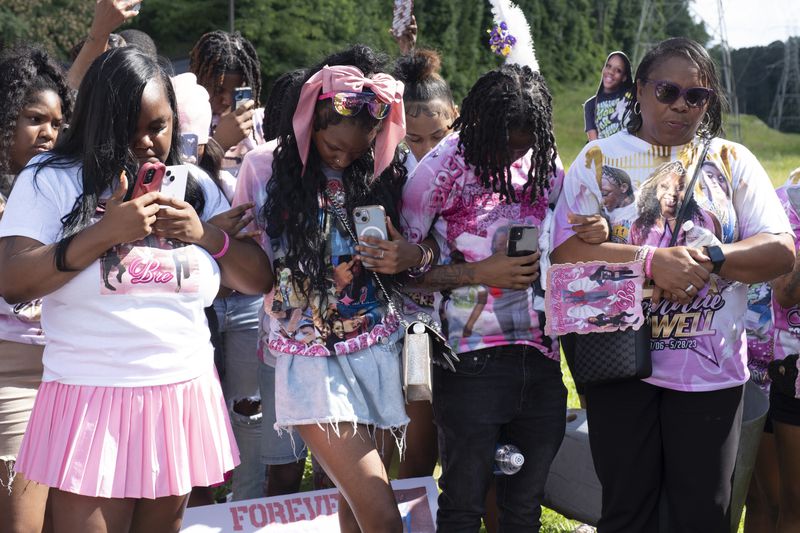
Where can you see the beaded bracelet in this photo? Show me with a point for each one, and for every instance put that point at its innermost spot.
(225, 245)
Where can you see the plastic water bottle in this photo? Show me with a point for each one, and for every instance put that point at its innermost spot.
(508, 460)
(698, 236)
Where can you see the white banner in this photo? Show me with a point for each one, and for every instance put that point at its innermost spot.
(310, 512)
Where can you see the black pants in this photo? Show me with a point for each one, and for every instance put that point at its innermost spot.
(644, 437)
(508, 394)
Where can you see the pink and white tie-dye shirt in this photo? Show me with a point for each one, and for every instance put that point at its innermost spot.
(700, 346)
(445, 198)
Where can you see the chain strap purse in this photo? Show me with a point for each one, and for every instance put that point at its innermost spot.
(625, 354)
(423, 343)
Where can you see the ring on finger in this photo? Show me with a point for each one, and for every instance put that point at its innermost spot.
(689, 289)
(381, 256)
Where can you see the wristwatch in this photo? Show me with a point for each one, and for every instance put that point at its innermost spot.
(717, 257)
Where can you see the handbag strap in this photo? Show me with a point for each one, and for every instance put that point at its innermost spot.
(339, 212)
(687, 198)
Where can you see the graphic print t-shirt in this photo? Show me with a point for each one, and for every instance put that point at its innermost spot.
(786, 321)
(470, 223)
(135, 316)
(349, 318)
(605, 112)
(699, 346)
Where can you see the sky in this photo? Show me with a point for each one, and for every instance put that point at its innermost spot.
(751, 22)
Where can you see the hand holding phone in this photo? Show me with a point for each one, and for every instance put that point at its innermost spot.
(522, 240)
(370, 221)
(241, 95)
(147, 180)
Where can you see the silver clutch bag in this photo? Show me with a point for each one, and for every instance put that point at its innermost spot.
(417, 354)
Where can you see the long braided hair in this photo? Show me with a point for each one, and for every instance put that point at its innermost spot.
(218, 53)
(508, 99)
(24, 72)
(292, 205)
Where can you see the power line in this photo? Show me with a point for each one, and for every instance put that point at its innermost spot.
(786, 105)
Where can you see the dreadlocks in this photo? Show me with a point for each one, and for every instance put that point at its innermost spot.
(218, 53)
(25, 71)
(510, 98)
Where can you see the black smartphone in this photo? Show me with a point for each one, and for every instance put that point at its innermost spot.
(522, 240)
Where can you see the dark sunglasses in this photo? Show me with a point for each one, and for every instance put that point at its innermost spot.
(667, 93)
(350, 104)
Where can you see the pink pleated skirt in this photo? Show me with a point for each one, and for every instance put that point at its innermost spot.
(129, 442)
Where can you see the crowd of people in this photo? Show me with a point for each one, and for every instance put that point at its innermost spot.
(151, 344)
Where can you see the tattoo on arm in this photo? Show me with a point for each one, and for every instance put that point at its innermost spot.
(444, 277)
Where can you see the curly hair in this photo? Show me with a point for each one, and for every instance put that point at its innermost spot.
(695, 53)
(649, 206)
(510, 98)
(275, 105)
(218, 53)
(24, 72)
(293, 197)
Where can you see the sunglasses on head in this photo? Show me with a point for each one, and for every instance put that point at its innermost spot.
(667, 93)
(349, 104)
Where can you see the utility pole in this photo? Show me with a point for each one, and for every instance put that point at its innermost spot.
(786, 105)
(231, 14)
(728, 78)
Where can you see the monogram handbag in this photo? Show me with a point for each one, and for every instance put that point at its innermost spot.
(625, 354)
(423, 343)
(613, 356)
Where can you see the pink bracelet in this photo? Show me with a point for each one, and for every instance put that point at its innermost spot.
(225, 245)
(648, 263)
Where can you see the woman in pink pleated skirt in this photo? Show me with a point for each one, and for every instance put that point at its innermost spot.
(130, 414)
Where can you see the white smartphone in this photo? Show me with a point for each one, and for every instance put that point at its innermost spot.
(370, 221)
(174, 183)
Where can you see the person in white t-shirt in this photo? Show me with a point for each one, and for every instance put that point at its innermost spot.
(130, 413)
(36, 99)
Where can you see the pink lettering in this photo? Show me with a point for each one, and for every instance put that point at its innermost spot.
(236, 513)
(252, 512)
(148, 271)
(295, 513)
(280, 514)
(311, 514)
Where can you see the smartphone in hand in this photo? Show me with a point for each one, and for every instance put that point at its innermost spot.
(174, 183)
(241, 95)
(370, 221)
(522, 240)
(148, 179)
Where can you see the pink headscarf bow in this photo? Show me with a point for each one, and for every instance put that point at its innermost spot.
(348, 78)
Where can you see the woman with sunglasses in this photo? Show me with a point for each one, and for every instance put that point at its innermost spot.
(604, 113)
(337, 372)
(678, 429)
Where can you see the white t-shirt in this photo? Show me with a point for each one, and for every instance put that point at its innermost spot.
(20, 322)
(135, 316)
